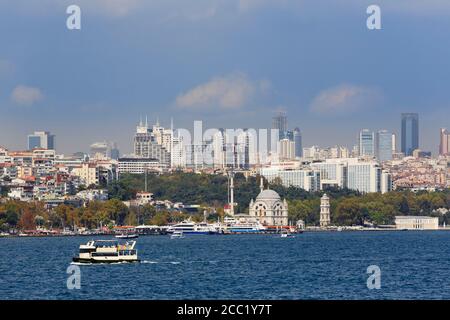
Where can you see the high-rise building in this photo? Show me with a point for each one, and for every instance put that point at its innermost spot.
(410, 133)
(307, 179)
(384, 145)
(151, 143)
(114, 152)
(99, 150)
(41, 139)
(280, 122)
(444, 146)
(298, 143)
(286, 149)
(394, 143)
(178, 156)
(364, 177)
(333, 172)
(366, 143)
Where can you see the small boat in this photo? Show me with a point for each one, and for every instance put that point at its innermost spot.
(127, 236)
(286, 234)
(177, 235)
(107, 251)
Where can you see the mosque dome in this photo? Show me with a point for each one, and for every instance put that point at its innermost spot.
(268, 195)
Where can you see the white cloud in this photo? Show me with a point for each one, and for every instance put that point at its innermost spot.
(233, 91)
(345, 98)
(26, 96)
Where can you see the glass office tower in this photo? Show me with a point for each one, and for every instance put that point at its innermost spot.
(410, 133)
(384, 145)
(366, 143)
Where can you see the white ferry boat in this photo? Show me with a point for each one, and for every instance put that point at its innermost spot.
(189, 227)
(243, 225)
(107, 251)
(177, 235)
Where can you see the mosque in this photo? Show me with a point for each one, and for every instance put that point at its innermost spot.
(268, 208)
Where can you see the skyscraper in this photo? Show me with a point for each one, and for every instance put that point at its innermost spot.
(298, 143)
(279, 122)
(444, 146)
(286, 149)
(366, 143)
(41, 139)
(148, 143)
(410, 133)
(394, 143)
(384, 145)
(113, 151)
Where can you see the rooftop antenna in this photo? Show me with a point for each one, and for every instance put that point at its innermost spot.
(146, 121)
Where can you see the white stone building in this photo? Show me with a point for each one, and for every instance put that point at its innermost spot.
(416, 223)
(269, 209)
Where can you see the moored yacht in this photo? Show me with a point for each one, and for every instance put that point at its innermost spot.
(107, 251)
(243, 225)
(190, 227)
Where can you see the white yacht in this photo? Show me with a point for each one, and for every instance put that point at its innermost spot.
(107, 251)
(243, 225)
(190, 227)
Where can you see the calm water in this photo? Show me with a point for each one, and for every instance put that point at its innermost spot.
(414, 265)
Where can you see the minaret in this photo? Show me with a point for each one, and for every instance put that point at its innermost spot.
(232, 193)
(324, 211)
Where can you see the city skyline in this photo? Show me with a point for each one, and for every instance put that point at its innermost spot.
(329, 77)
(290, 134)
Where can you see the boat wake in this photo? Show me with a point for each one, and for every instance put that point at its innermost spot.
(154, 262)
(175, 262)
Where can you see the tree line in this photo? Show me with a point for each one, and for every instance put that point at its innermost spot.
(211, 192)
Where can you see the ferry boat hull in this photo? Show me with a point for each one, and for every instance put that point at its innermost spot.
(109, 260)
(107, 251)
(196, 232)
(237, 230)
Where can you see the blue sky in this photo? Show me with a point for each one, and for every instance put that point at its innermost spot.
(231, 63)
